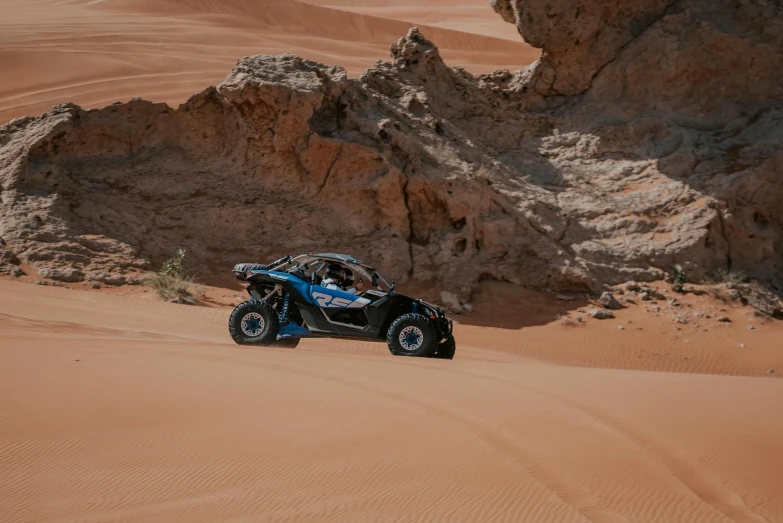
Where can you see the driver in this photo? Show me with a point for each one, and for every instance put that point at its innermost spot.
(346, 281)
(338, 278)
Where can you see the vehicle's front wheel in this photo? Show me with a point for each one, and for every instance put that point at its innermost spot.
(254, 323)
(446, 349)
(411, 335)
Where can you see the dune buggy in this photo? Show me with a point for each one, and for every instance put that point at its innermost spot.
(288, 302)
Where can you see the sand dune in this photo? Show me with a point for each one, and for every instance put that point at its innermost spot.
(96, 52)
(120, 408)
(460, 15)
(116, 407)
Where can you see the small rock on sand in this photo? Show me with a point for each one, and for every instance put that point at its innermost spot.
(608, 300)
(632, 286)
(601, 314)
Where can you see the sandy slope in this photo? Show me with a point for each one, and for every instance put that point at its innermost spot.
(96, 52)
(470, 16)
(120, 408)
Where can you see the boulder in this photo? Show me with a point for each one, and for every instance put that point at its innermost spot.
(609, 301)
(601, 314)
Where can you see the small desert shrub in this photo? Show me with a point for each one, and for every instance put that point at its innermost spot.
(568, 321)
(173, 266)
(171, 283)
(679, 279)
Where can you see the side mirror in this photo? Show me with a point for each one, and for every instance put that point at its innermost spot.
(392, 287)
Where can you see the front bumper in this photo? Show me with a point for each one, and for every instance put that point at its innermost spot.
(445, 325)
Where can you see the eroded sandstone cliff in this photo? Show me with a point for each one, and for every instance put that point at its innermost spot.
(647, 135)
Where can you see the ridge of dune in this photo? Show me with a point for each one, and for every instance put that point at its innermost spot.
(95, 53)
(464, 15)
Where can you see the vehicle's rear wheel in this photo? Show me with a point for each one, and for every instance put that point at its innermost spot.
(411, 335)
(254, 323)
(446, 349)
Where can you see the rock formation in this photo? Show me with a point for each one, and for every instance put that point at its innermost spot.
(648, 134)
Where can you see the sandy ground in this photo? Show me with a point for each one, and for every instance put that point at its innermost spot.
(116, 407)
(95, 52)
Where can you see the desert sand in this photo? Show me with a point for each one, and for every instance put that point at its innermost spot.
(93, 53)
(117, 407)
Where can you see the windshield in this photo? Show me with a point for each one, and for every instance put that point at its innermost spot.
(380, 282)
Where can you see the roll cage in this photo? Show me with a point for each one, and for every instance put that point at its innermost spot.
(312, 265)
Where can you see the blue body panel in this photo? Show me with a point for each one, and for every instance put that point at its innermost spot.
(313, 293)
(330, 298)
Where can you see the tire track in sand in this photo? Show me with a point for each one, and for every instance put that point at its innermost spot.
(518, 454)
(728, 503)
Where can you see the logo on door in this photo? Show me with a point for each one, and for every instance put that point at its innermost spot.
(325, 300)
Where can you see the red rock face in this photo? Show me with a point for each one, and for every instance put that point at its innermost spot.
(636, 143)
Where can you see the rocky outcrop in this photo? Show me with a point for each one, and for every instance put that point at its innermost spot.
(712, 58)
(673, 112)
(578, 172)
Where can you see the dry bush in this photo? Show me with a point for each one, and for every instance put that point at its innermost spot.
(174, 289)
(679, 279)
(171, 283)
(568, 321)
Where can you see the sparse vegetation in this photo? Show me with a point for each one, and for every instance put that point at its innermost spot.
(172, 283)
(173, 266)
(679, 279)
(568, 321)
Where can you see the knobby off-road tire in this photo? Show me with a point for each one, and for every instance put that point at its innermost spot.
(254, 323)
(446, 349)
(412, 335)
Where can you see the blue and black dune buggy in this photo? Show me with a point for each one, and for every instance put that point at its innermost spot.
(323, 295)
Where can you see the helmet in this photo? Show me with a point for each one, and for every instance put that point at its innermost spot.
(346, 277)
(333, 271)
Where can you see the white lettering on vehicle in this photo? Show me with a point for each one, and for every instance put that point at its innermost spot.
(322, 299)
(341, 302)
(325, 300)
